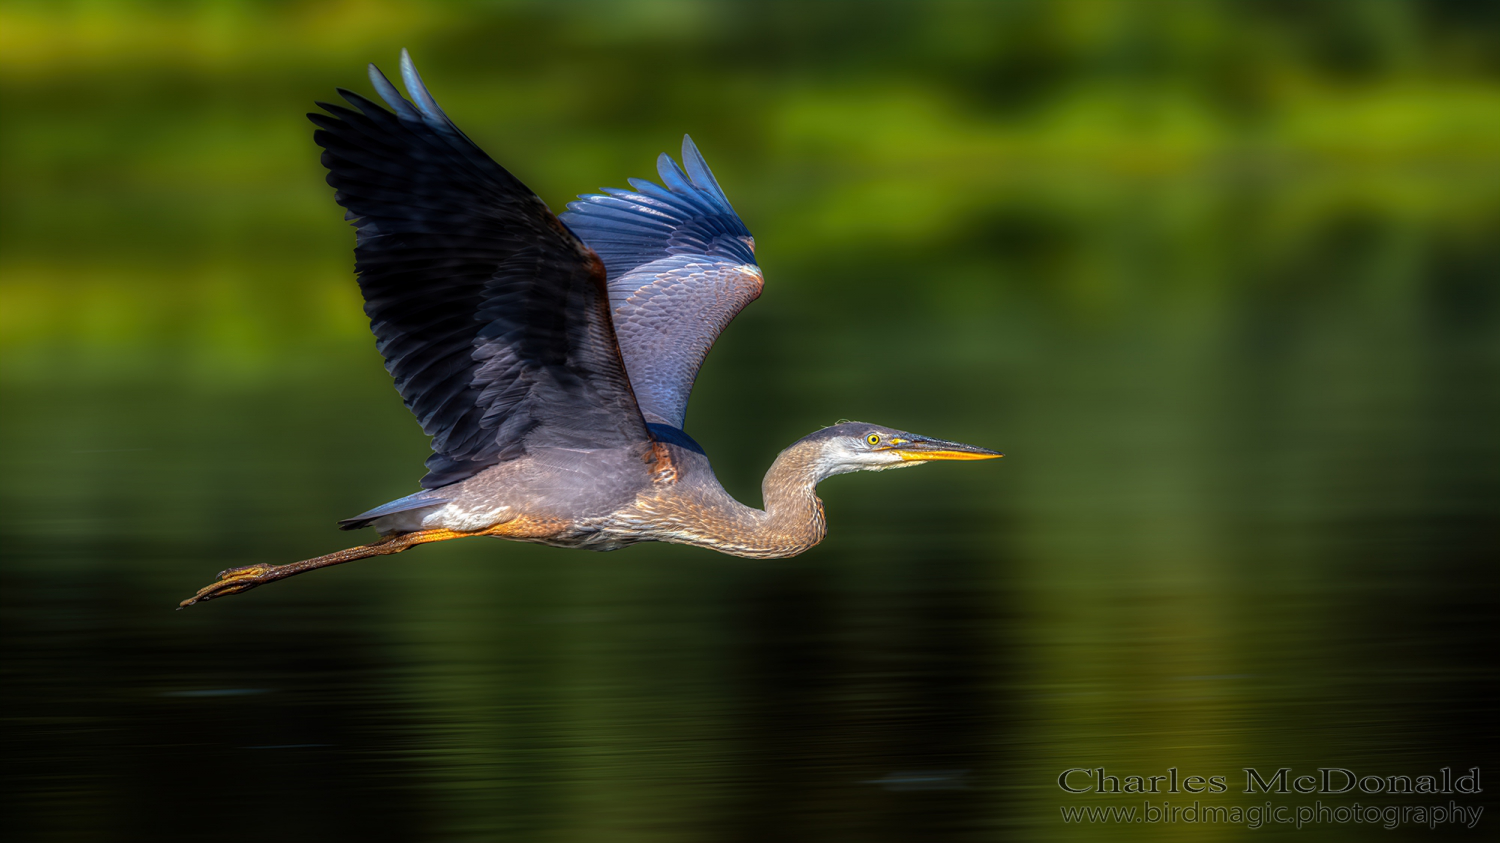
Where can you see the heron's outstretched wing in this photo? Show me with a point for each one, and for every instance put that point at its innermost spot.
(681, 266)
(492, 317)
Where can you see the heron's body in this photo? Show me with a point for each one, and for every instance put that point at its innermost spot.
(551, 357)
(666, 493)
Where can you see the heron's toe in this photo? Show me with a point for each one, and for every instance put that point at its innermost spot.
(232, 581)
(242, 572)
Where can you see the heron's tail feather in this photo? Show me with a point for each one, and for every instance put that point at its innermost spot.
(420, 500)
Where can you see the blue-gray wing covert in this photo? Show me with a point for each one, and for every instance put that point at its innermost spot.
(681, 265)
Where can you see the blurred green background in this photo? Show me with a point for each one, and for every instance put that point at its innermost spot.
(1220, 278)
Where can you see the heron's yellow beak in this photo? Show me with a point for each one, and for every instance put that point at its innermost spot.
(937, 449)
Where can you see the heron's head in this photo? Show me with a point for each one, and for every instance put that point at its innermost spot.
(857, 446)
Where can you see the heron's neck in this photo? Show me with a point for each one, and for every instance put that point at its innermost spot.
(794, 512)
(701, 513)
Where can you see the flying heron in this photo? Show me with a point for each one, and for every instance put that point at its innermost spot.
(550, 357)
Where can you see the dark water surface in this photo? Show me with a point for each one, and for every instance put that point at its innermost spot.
(1254, 528)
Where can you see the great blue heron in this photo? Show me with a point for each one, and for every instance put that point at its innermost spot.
(550, 357)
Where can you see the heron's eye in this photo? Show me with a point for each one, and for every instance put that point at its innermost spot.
(873, 439)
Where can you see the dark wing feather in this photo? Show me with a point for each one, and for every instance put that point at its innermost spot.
(681, 266)
(492, 317)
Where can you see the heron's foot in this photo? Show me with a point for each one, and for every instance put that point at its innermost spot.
(236, 580)
(231, 581)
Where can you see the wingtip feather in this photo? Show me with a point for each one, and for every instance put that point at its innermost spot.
(392, 97)
(698, 170)
(418, 91)
(672, 175)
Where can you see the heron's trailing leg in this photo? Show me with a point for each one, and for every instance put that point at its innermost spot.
(236, 580)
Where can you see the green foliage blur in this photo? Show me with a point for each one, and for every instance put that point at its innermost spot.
(160, 189)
